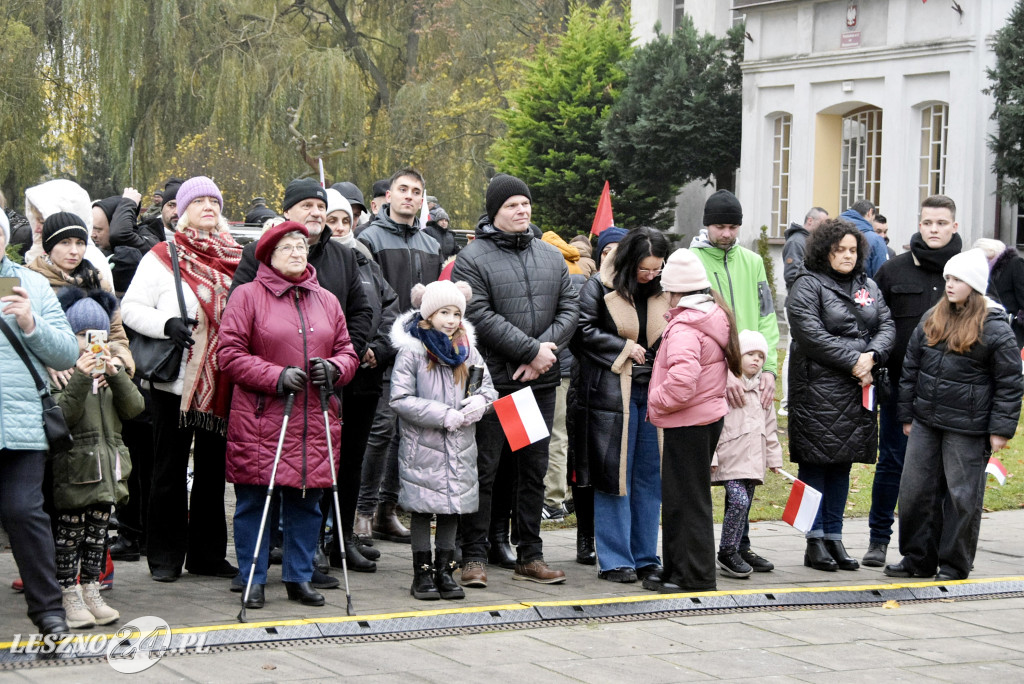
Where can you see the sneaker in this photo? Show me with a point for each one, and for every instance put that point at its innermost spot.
(732, 564)
(783, 411)
(17, 585)
(474, 574)
(323, 581)
(757, 563)
(78, 614)
(103, 613)
(538, 571)
(107, 576)
(621, 575)
(553, 513)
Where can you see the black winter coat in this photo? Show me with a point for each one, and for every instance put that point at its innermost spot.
(406, 254)
(337, 272)
(607, 332)
(522, 296)
(384, 304)
(910, 284)
(976, 393)
(445, 238)
(1006, 285)
(827, 421)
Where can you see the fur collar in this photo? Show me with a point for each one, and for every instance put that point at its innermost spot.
(401, 339)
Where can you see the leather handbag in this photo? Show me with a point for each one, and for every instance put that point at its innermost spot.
(159, 360)
(58, 436)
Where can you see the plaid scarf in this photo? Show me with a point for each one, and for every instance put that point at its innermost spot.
(440, 349)
(207, 262)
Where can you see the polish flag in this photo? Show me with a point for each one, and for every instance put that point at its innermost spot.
(424, 212)
(867, 397)
(521, 419)
(802, 507)
(996, 467)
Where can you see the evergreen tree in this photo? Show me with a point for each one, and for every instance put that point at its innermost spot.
(679, 119)
(556, 117)
(1008, 91)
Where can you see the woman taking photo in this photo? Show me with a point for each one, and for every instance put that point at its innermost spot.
(959, 403)
(841, 330)
(281, 332)
(622, 316)
(196, 403)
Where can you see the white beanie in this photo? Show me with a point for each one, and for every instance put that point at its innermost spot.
(751, 341)
(337, 202)
(684, 272)
(971, 267)
(441, 293)
(5, 223)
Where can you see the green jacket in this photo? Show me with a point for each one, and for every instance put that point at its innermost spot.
(96, 469)
(738, 275)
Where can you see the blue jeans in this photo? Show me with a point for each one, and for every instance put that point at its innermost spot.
(892, 449)
(301, 521)
(833, 481)
(626, 527)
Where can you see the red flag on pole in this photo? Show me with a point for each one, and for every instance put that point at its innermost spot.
(603, 218)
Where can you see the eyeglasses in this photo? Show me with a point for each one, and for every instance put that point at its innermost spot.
(290, 249)
(650, 271)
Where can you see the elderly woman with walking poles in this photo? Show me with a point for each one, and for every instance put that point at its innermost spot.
(283, 334)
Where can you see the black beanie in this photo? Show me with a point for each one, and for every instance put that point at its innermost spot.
(301, 189)
(171, 189)
(61, 226)
(107, 205)
(723, 208)
(500, 189)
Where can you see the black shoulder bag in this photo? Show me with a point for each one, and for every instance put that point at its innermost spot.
(56, 428)
(879, 374)
(159, 360)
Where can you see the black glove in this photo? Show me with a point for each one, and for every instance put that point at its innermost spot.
(323, 373)
(179, 333)
(292, 380)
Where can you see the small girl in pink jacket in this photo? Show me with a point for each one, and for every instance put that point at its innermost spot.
(749, 444)
(687, 399)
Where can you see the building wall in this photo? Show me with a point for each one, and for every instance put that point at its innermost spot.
(911, 54)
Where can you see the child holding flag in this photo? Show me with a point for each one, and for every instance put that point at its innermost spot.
(749, 444)
(687, 398)
(437, 459)
(959, 401)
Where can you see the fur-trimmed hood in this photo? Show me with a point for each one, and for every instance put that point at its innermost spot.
(401, 339)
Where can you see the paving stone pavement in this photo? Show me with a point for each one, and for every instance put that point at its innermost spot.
(955, 641)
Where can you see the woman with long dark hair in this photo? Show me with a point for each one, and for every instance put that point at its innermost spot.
(622, 316)
(959, 402)
(841, 330)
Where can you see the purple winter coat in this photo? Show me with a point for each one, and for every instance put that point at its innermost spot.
(270, 324)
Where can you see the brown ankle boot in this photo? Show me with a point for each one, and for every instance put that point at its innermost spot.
(362, 529)
(388, 526)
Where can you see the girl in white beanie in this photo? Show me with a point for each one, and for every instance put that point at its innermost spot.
(959, 401)
(437, 416)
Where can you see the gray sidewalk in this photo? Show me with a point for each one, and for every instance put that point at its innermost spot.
(953, 640)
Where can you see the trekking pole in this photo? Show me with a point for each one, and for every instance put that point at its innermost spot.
(325, 394)
(289, 402)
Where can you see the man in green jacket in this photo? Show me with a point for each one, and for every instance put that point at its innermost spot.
(738, 275)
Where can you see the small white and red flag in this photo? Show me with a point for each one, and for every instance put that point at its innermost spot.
(521, 419)
(996, 467)
(802, 507)
(867, 397)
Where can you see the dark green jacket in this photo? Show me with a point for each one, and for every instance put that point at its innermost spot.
(96, 469)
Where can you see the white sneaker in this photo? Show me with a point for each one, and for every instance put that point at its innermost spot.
(103, 613)
(783, 411)
(78, 614)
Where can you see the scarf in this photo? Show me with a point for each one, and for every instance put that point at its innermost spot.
(934, 260)
(85, 275)
(207, 262)
(440, 348)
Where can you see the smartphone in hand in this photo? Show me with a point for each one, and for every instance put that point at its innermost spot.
(96, 342)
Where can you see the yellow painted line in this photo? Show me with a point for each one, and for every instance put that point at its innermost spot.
(530, 604)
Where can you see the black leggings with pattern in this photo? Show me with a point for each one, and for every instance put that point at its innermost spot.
(81, 536)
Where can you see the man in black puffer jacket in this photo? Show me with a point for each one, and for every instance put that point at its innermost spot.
(524, 309)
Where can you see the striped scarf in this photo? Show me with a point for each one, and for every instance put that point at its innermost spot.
(207, 262)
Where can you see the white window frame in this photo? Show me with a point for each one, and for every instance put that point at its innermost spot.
(782, 160)
(860, 172)
(932, 151)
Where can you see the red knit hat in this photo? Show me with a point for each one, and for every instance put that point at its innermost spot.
(269, 239)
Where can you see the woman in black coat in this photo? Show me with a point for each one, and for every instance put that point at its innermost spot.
(959, 402)
(1006, 282)
(841, 330)
(622, 316)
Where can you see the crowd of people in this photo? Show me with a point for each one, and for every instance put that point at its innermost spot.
(183, 361)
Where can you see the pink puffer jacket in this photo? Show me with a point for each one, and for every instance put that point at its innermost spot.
(270, 324)
(688, 380)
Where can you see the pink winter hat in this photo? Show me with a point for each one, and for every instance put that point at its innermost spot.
(441, 293)
(196, 187)
(684, 272)
(752, 340)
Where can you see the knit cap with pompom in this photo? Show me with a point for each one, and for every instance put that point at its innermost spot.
(441, 293)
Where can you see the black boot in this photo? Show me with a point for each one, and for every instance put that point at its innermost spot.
(500, 552)
(444, 566)
(817, 556)
(836, 549)
(586, 554)
(304, 593)
(256, 597)
(355, 560)
(423, 587)
(125, 549)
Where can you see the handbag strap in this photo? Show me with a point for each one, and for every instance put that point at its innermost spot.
(177, 280)
(43, 388)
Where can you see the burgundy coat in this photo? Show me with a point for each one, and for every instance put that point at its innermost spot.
(269, 324)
